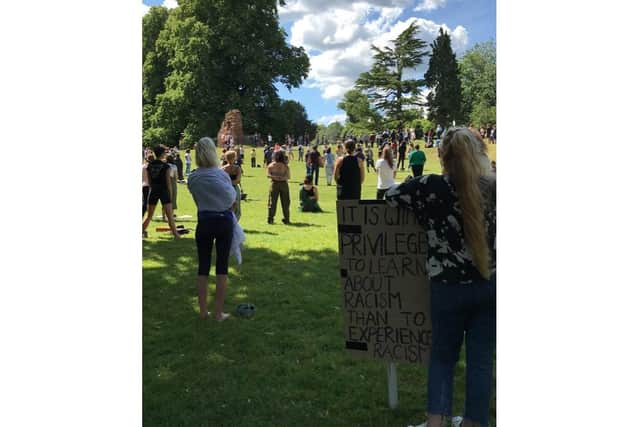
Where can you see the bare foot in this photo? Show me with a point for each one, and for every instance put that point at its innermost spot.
(222, 317)
(177, 235)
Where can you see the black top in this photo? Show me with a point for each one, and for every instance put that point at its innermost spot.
(157, 170)
(402, 148)
(314, 158)
(309, 191)
(434, 200)
(349, 185)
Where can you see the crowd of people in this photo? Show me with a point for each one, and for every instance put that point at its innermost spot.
(456, 208)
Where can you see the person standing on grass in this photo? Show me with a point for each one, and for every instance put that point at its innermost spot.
(349, 174)
(300, 152)
(458, 211)
(369, 158)
(171, 161)
(329, 164)
(309, 196)
(314, 163)
(214, 196)
(145, 183)
(187, 160)
(279, 173)
(402, 151)
(253, 157)
(159, 178)
(417, 159)
(177, 160)
(235, 173)
(386, 173)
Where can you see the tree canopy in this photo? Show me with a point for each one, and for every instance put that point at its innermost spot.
(207, 57)
(385, 84)
(478, 78)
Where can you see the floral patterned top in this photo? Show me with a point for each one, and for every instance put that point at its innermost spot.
(434, 200)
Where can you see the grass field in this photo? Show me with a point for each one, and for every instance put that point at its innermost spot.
(287, 365)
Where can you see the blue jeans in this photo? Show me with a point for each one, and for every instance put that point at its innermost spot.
(457, 312)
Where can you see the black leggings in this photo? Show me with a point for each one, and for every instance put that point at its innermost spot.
(380, 193)
(220, 228)
(145, 199)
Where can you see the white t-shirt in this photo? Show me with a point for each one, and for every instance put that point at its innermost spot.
(385, 174)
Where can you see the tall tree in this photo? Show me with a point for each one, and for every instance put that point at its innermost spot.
(384, 84)
(360, 116)
(478, 78)
(443, 80)
(220, 55)
(334, 131)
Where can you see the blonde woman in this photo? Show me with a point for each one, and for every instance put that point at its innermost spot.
(458, 211)
(235, 173)
(214, 196)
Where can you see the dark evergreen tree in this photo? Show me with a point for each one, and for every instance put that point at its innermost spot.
(443, 79)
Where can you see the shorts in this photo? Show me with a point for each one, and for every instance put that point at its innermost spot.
(162, 195)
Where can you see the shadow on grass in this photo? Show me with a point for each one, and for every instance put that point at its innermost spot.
(303, 224)
(248, 231)
(243, 371)
(285, 366)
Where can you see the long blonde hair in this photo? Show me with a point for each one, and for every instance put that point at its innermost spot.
(459, 157)
(206, 155)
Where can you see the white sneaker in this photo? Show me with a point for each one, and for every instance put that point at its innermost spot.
(457, 421)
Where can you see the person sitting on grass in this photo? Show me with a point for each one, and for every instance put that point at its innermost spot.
(309, 196)
(159, 179)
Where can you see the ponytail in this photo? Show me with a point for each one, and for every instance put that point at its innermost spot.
(461, 164)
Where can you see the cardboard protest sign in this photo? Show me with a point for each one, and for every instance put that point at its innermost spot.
(383, 254)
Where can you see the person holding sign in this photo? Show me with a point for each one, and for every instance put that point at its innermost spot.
(458, 211)
(214, 195)
(349, 174)
(386, 172)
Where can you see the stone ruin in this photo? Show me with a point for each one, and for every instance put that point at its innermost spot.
(231, 125)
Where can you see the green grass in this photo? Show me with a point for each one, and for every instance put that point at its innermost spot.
(286, 366)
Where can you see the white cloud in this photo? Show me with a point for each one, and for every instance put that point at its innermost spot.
(430, 5)
(296, 9)
(170, 4)
(326, 120)
(341, 60)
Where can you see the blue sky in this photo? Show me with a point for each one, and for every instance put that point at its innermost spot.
(337, 36)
